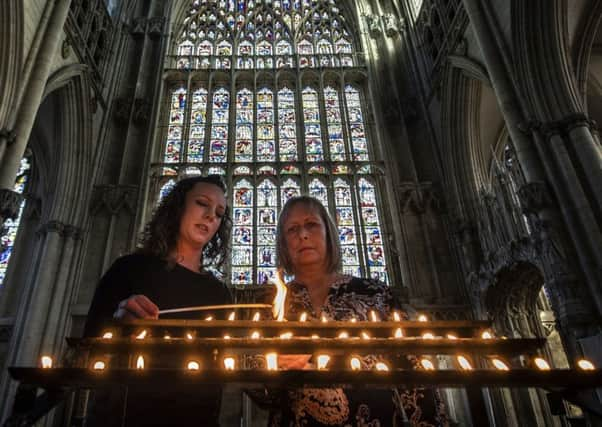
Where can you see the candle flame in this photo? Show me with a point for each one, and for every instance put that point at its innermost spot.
(380, 366)
(323, 360)
(398, 333)
(209, 318)
(99, 365)
(272, 361)
(189, 336)
(226, 337)
(303, 317)
(315, 336)
(167, 337)
(486, 335)
(355, 364)
(255, 335)
(278, 308)
(46, 362)
(427, 364)
(141, 335)
(396, 316)
(193, 365)
(256, 317)
(451, 337)
(422, 318)
(107, 335)
(229, 363)
(286, 336)
(365, 336)
(373, 316)
(541, 364)
(232, 316)
(428, 336)
(500, 365)
(353, 319)
(586, 365)
(464, 363)
(140, 362)
(324, 319)
(344, 335)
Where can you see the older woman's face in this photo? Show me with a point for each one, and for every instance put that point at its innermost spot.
(305, 237)
(205, 207)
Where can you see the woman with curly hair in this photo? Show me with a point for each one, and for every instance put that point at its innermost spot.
(186, 238)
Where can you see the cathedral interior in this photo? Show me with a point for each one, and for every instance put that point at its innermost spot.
(455, 142)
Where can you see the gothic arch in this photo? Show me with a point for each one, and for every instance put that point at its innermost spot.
(11, 51)
(583, 50)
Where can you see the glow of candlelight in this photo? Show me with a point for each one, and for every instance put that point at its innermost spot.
(541, 364)
(464, 363)
(396, 316)
(272, 361)
(323, 360)
(365, 336)
(585, 365)
(428, 336)
(380, 366)
(303, 317)
(167, 337)
(140, 362)
(232, 316)
(226, 337)
(46, 362)
(451, 337)
(209, 318)
(229, 363)
(353, 319)
(189, 336)
(286, 336)
(355, 364)
(499, 365)
(99, 365)
(422, 318)
(373, 316)
(256, 317)
(315, 336)
(324, 319)
(398, 333)
(107, 335)
(344, 335)
(427, 364)
(278, 307)
(141, 335)
(193, 365)
(255, 335)
(486, 335)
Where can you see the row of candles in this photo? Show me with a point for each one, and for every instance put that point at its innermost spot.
(322, 361)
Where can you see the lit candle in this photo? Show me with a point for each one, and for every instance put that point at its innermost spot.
(380, 366)
(140, 362)
(272, 361)
(141, 335)
(422, 318)
(428, 336)
(344, 335)
(324, 319)
(464, 363)
(226, 337)
(107, 335)
(229, 363)
(499, 365)
(303, 317)
(232, 316)
(398, 333)
(46, 362)
(541, 364)
(279, 299)
(585, 365)
(256, 317)
(99, 365)
(193, 365)
(355, 364)
(208, 318)
(255, 335)
(167, 337)
(451, 337)
(486, 335)
(286, 336)
(323, 360)
(427, 364)
(353, 319)
(315, 336)
(396, 316)
(189, 336)
(373, 316)
(365, 335)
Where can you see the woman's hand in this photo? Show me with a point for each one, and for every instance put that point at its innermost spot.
(294, 361)
(136, 307)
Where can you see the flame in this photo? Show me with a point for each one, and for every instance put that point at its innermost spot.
(107, 335)
(141, 335)
(229, 363)
(278, 308)
(324, 319)
(353, 319)
(586, 365)
(464, 363)
(396, 316)
(451, 337)
(344, 335)
(315, 337)
(189, 336)
(286, 336)
(226, 337)
(422, 318)
(428, 336)
(427, 364)
(209, 318)
(232, 316)
(256, 317)
(46, 362)
(272, 361)
(323, 360)
(486, 335)
(303, 317)
(255, 335)
(140, 362)
(373, 316)
(167, 337)
(398, 333)
(500, 365)
(541, 364)
(355, 364)
(380, 366)
(193, 365)
(99, 365)
(365, 336)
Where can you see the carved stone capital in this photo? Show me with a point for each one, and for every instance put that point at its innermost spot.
(419, 197)
(142, 111)
(567, 124)
(73, 232)
(373, 24)
(114, 199)
(10, 202)
(52, 226)
(138, 27)
(392, 25)
(155, 26)
(8, 135)
(534, 197)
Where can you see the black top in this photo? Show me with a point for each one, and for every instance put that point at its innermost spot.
(168, 287)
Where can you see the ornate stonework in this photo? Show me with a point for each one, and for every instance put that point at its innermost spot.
(114, 199)
(8, 135)
(418, 198)
(534, 197)
(10, 202)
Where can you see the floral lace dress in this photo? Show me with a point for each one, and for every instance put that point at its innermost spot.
(348, 298)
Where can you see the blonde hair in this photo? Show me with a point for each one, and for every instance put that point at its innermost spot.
(334, 260)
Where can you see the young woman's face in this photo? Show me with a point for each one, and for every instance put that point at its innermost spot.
(202, 216)
(305, 237)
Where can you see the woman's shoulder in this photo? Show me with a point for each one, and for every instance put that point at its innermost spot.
(137, 261)
(366, 284)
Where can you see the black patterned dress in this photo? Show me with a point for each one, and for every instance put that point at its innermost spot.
(353, 298)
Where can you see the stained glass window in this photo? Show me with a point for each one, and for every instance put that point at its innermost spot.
(279, 125)
(7, 240)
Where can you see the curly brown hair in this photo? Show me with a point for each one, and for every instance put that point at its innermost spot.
(160, 234)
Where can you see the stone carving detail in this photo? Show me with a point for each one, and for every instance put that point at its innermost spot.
(533, 197)
(419, 198)
(391, 24)
(10, 202)
(114, 199)
(155, 26)
(138, 27)
(9, 135)
(142, 111)
(373, 25)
